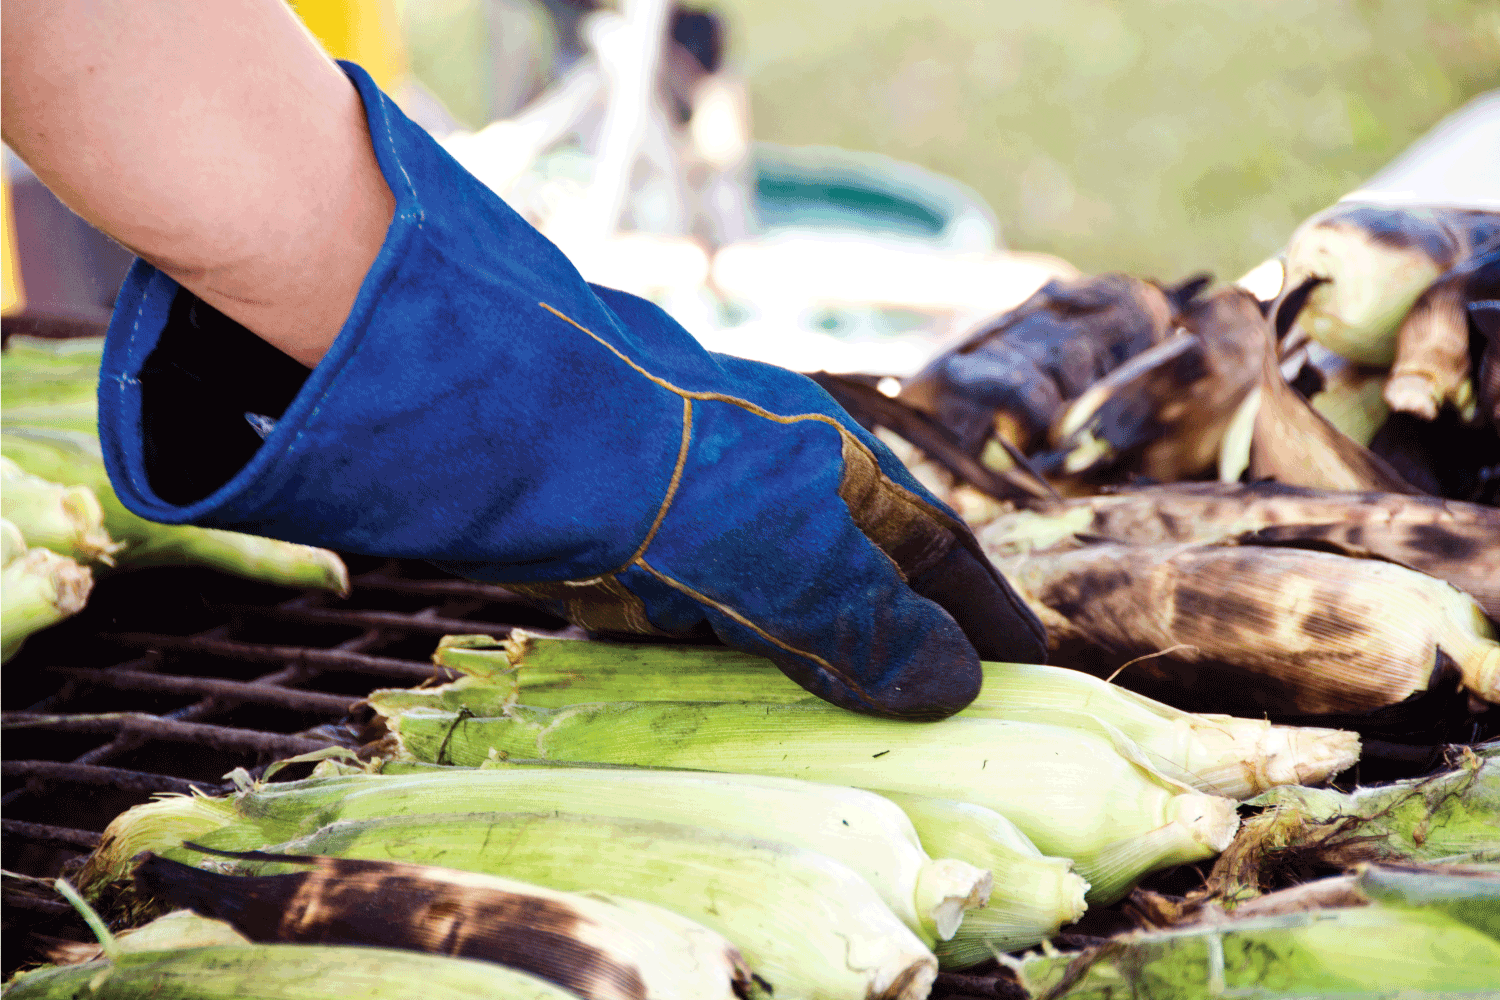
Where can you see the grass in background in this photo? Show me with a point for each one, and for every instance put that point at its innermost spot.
(1156, 137)
(1152, 137)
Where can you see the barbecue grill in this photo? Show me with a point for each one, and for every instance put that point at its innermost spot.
(172, 678)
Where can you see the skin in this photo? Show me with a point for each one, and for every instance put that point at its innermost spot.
(216, 141)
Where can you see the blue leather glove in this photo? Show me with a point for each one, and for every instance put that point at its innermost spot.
(485, 408)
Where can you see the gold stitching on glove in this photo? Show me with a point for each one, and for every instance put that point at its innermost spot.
(881, 508)
(666, 503)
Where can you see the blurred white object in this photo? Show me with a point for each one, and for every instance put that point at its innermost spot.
(1457, 164)
(836, 269)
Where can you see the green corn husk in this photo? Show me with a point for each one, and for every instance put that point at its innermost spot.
(72, 457)
(804, 922)
(1033, 895)
(66, 519)
(1070, 791)
(858, 828)
(14, 543)
(281, 972)
(38, 589)
(1217, 754)
(1360, 952)
(1470, 895)
(44, 372)
(1456, 813)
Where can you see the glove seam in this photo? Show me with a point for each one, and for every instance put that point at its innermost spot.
(729, 612)
(902, 495)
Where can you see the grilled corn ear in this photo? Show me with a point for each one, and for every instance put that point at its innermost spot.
(1432, 354)
(1034, 894)
(66, 519)
(1131, 820)
(1217, 754)
(806, 924)
(582, 943)
(1360, 952)
(1257, 629)
(282, 972)
(1371, 263)
(858, 828)
(1293, 443)
(1448, 539)
(38, 589)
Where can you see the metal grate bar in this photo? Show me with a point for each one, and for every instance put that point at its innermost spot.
(390, 620)
(60, 835)
(326, 659)
(152, 727)
(240, 691)
(490, 592)
(87, 774)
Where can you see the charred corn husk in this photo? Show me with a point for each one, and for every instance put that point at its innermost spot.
(1034, 894)
(1130, 821)
(1431, 366)
(806, 924)
(282, 972)
(1448, 539)
(1167, 408)
(1217, 754)
(1011, 377)
(857, 828)
(1363, 951)
(1352, 398)
(66, 519)
(73, 457)
(1253, 629)
(581, 942)
(1293, 443)
(38, 589)
(1371, 262)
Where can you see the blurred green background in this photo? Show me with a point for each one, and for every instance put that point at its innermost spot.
(1154, 137)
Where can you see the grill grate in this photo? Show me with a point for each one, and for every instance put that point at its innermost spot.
(171, 678)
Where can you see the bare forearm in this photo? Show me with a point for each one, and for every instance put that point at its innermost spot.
(215, 140)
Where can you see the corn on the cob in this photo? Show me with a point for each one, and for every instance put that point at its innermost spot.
(39, 372)
(1431, 366)
(1218, 754)
(1257, 629)
(1425, 819)
(1171, 404)
(1372, 262)
(72, 457)
(282, 972)
(580, 942)
(38, 589)
(1034, 894)
(1448, 539)
(66, 519)
(805, 923)
(858, 828)
(1469, 894)
(1361, 952)
(1132, 820)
